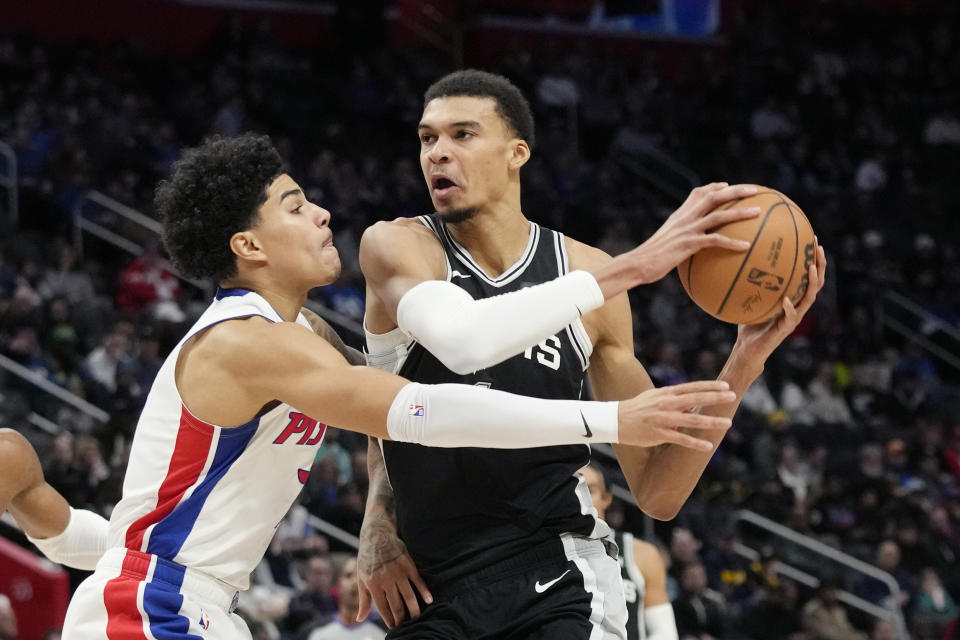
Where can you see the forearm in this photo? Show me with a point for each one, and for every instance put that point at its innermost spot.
(684, 466)
(379, 543)
(79, 545)
(659, 622)
(455, 415)
(467, 335)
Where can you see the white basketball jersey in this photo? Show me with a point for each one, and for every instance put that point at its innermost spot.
(209, 497)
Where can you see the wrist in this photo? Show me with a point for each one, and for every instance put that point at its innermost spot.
(740, 371)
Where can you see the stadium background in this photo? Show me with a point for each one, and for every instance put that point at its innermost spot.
(851, 107)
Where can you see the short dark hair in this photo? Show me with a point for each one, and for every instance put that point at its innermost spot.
(511, 105)
(215, 191)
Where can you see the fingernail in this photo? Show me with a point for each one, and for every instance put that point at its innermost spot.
(754, 210)
(730, 395)
(428, 599)
(749, 188)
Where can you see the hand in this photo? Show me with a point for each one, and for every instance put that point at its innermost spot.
(652, 418)
(755, 342)
(385, 572)
(687, 230)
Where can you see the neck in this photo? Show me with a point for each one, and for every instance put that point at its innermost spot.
(496, 236)
(284, 301)
(348, 616)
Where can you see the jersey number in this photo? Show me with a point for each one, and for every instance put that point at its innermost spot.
(548, 353)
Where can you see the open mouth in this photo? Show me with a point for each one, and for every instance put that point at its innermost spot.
(442, 186)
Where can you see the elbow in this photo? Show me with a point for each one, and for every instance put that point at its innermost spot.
(659, 508)
(459, 353)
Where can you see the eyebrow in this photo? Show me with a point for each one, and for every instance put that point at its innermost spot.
(461, 123)
(291, 192)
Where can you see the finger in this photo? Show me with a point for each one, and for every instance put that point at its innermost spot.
(418, 582)
(720, 241)
(363, 610)
(725, 216)
(396, 604)
(727, 194)
(406, 592)
(698, 399)
(696, 387)
(380, 599)
(822, 265)
(687, 441)
(697, 421)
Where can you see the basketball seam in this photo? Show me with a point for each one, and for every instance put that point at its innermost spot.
(796, 252)
(736, 277)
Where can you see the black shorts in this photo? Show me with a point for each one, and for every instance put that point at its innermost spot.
(565, 589)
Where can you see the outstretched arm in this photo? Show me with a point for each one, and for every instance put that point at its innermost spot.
(72, 537)
(240, 366)
(616, 373)
(386, 571)
(404, 268)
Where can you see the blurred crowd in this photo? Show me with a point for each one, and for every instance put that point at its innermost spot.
(851, 434)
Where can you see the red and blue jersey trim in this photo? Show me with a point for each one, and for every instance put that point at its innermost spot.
(162, 600)
(175, 515)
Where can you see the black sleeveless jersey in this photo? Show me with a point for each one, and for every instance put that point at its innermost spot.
(634, 586)
(462, 509)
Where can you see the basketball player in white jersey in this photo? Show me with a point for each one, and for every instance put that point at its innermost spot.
(77, 538)
(650, 614)
(234, 418)
(451, 297)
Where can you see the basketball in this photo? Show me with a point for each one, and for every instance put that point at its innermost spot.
(747, 287)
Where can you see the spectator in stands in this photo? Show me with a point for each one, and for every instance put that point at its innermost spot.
(700, 611)
(774, 614)
(148, 284)
(315, 601)
(883, 630)
(344, 626)
(887, 559)
(67, 279)
(8, 619)
(684, 549)
(99, 369)
(826, 619)
(933, 609)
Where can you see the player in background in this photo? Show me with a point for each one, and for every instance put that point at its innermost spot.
(644, 576)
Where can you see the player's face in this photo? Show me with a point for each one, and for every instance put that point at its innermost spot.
(467, 153)
(598, 489)
(295, 236)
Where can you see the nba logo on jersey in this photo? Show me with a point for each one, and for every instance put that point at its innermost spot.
(416, 410)
(204, 620)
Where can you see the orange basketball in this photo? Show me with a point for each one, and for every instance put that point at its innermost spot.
(747, 287)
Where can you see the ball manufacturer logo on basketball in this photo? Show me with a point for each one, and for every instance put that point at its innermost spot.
(747, 287)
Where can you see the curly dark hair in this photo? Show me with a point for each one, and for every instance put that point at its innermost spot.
(511, 105)
(215, 191)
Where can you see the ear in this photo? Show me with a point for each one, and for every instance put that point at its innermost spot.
(607, 499)
(246, 246)
(519, 154)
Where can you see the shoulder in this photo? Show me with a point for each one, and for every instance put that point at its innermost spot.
(583, 256)
(19, 463)
(645, 553)
(388, 232)
(242, 342)
(391, 247)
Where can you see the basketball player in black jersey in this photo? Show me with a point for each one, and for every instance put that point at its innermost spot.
(505, 544)
(649, 612)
